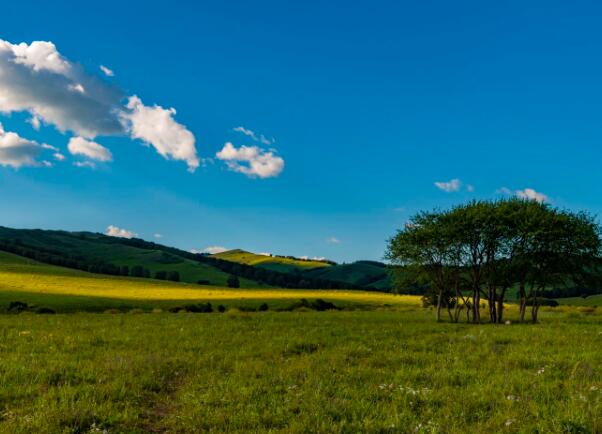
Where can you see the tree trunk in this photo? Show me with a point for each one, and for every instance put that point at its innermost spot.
(500, 306)
(535, 307)
(439, 297)
(523, 301)
(476, 306)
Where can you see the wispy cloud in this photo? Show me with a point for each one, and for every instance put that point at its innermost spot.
(257, 138)
(108, 72)
(449, 186)
(333, 240)
(212, 250)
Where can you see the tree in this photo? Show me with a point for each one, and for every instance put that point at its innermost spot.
(483, 248)
(173, 276)
(233, 282)
(161, 275)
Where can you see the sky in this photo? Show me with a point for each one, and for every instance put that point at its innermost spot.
(300, 128)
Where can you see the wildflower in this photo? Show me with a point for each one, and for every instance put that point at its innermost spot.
(509, 422)
(541, 370)
(24, 333)
(512, 398)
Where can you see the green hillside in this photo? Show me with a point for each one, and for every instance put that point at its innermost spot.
(369, 274)
(276, 263)
(97, 248)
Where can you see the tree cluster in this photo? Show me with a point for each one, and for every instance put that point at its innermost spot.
(473, 254)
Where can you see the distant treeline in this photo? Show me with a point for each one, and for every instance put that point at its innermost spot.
(57, 257)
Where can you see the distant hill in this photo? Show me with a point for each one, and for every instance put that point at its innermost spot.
(100, 253)
(367, 274)
(284, 264)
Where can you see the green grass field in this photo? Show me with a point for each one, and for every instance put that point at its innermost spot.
(381, 365)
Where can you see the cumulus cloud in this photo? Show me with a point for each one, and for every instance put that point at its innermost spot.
(106, 71)
(89, 149)
(257, 138)
(530, 194)
(333, 240)
(156, 126)
(212, 250)
(15, 151)
(114, 231)
(158, 236)
(527, 193)
(449, 186)
(251, 161)
(37, 79)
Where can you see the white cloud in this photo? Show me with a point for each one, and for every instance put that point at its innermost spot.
(35, 122)
(89, 149)
(212, 250)
(251, 160)
(449, 186)
(258, 138)
(58, 156)
(156, 126)
(527, 193)
(114, 231)
(108, 72)
(470, 188)
(85, 164)
(158, 236)
(35, 78)
(530, 194)
(333, 240)
(265, 254)
(15, 151)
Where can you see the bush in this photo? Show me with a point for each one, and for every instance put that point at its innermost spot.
(161, 275)
(543, 302)
(17, 306)
(263, 307)
(203, 282)
(45, 311)
(113, 311)
(221, 308)
(233, 282)
(173, 276)
(193, 308)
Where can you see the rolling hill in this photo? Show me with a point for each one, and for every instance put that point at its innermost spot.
(284, 264)
(101, 250)
(366, 274)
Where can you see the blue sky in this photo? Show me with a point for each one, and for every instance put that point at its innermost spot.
(369, 105)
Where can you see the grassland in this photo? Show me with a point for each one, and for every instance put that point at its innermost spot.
(274, 263)
(67, 290)
(297, 372)
(381, 365)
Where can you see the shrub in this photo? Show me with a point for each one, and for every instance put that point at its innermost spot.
(173, 276)
(263, 307)
(221, 308)
(45, 311)
(203, 282)
(321, 305)
(161, 275)
(543, 302)
(17, 306)
(112, 311)
(233, 282)
(136, 311)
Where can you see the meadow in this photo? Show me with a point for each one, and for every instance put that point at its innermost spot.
(380, 364)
